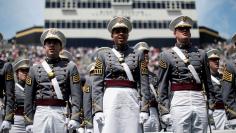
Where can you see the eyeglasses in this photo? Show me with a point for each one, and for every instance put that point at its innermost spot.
(182, 29)
(120, 30)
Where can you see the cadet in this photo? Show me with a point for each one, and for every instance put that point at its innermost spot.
(87, 100)
(49, 86)
(153, 122)
(7, 100)
(116, 75)
(229, 88)
(185, 68)
(21, 69)
(216, 103)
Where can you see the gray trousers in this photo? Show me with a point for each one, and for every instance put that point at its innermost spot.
(49, 119)
(19, 125)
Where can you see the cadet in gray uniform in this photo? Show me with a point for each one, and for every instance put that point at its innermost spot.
(185, 69)
(49, 86)
(116, 75)
(229, 89)
(216, 103)
(87, 100)
(6, 95)
(21, 69)
(153, 123)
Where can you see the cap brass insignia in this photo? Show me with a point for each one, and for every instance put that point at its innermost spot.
(120, 20)
(184, 18)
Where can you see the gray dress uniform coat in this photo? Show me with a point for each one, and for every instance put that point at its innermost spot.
(7, 86)
(217, 98)
(229, 91)
(19, 123)
(87, 103)
(39, 87)
(217, 105)
(172, 71)
(153, 123)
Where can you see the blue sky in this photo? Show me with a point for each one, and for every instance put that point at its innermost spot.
(16, 15)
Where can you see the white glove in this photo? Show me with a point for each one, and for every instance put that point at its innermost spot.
(6, 125)
(89, 130)
(143, 116)
(80, 130)
(99, 118)
(73, 124)
(210, 112)
(166, 118)
(29, 129)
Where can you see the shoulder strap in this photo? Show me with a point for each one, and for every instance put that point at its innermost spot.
(54, 80)
(153, 90)
(190, 67)
(18, 85)
(214, 79)
(125, 66)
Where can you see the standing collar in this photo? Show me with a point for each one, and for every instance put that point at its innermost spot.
(52, 60)
(121, 47)
(183, 45)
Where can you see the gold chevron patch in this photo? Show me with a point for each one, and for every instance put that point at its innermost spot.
(162, 64)
(28, 81)
(86, 88)
(76, 78)
(9, 76)
(227, 76)
(98, 67)
(144, 69)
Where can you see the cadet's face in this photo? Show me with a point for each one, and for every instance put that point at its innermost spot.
(182, 34)
(120, 36)
(22, 73)
(214, 64)
(52, 48)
